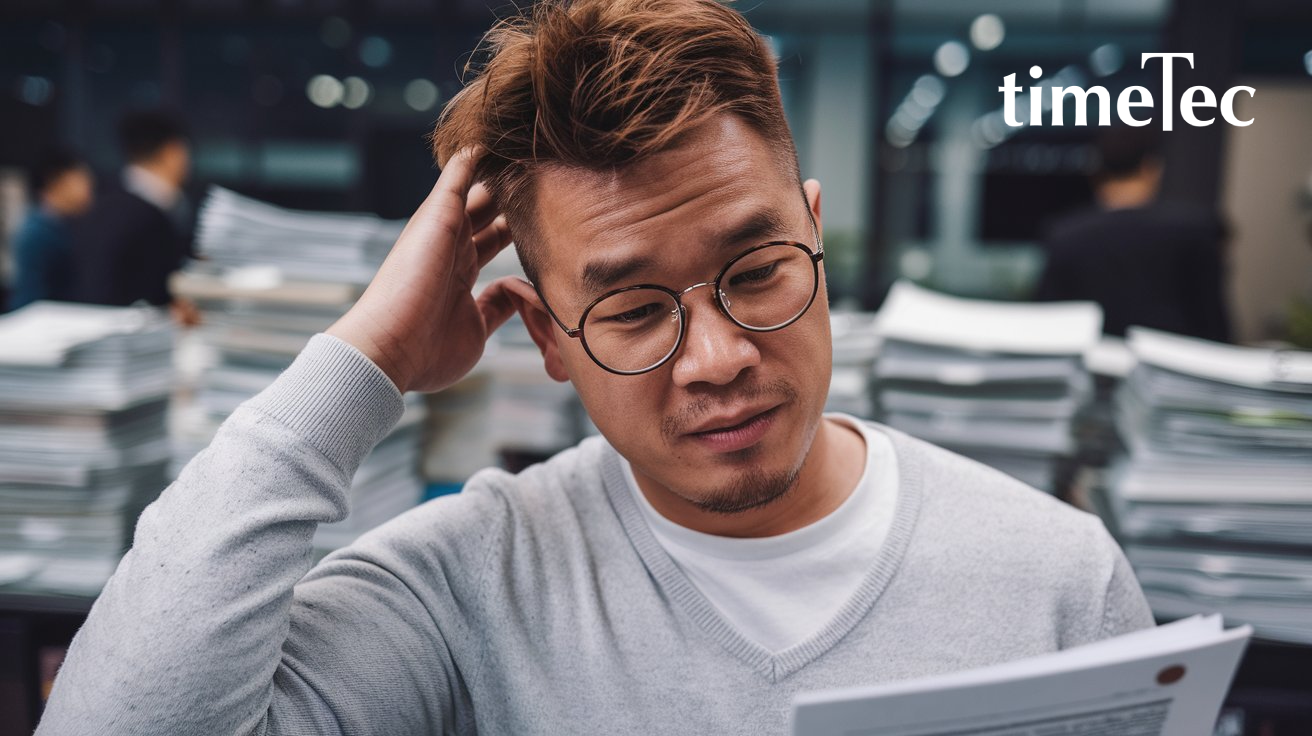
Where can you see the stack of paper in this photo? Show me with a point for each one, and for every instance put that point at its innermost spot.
(273, 280)
(1214, 499)
(1109, 362)
(999, 382)
(237, 231)
(530, 413)
(83, 439)
(507, 412)
(856, 345)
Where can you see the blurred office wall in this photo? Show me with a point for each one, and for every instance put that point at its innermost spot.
(1268, 172)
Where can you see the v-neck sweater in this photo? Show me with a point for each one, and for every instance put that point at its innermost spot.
(530, 603)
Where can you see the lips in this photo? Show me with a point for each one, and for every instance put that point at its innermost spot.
(735, 432)
(725, 422)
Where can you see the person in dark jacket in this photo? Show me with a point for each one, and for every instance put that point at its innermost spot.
(61, 187)
(135, 237)
(1147, 263)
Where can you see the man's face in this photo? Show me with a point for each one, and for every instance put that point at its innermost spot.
(726, 423)
(72, 191)
(176, 157)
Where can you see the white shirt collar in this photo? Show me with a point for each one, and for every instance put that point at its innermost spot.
(150, 187)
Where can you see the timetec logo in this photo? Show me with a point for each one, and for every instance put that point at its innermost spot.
(1194, 102)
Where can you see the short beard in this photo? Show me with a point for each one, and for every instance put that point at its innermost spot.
(752, 489)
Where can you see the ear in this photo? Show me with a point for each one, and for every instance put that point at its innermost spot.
(541, 327)
(811, 187)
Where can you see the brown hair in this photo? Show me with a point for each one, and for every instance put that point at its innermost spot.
(602, 83)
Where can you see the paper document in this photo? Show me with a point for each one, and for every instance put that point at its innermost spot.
(1166, 681)
(918, 315)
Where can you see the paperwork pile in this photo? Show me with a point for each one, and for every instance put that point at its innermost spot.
(83, 439)
(236, 231)
(1214, 500)
(1165, 681)
(856, 345)
(998, 382)
(274, 279)
(1109, 363)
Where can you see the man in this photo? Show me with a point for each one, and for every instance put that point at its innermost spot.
(1144, 262)
(135, 237)
(61, 185)
(722, 547)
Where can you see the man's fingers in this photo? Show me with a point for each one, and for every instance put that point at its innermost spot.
(495, 304)
(481, 208)
(458, 174)
(445, 204)
(492, 239)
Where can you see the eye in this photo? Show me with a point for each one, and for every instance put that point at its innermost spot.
(755, 275)
(635, 315)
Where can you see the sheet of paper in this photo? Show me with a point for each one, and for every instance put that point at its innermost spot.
(1167, 681)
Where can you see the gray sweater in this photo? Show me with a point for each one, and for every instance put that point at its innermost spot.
(529, 603)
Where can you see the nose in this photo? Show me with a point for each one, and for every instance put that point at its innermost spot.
(714, 350)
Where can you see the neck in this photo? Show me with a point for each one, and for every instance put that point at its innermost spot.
(1126, 193)
(832, 468)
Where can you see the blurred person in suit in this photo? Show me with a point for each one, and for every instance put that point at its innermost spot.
(1146, 262)
(62, 188)
(138, 232)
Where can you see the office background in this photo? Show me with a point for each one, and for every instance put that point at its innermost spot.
(324, 105)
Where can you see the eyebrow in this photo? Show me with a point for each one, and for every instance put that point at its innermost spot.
(599, 275)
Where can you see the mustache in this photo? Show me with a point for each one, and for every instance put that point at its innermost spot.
(675, 425)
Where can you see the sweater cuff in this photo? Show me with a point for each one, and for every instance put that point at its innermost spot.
(335, 398)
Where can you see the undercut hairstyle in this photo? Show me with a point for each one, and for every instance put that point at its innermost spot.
(142, 134)
(599, 84)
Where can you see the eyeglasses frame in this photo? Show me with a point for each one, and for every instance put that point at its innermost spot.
(718, 297)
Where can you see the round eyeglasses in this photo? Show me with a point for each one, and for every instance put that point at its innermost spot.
(637, 329)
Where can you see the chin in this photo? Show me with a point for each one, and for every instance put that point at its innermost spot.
(747, 484)
(750, 492)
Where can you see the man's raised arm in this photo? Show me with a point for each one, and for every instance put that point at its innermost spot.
(188, 636)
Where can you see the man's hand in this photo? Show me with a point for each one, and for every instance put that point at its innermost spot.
(184, 312)
(418, 320)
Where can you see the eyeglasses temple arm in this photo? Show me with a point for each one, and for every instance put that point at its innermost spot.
(574, 333)
(819, 253)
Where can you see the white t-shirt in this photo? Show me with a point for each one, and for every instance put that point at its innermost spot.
(780, 590)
